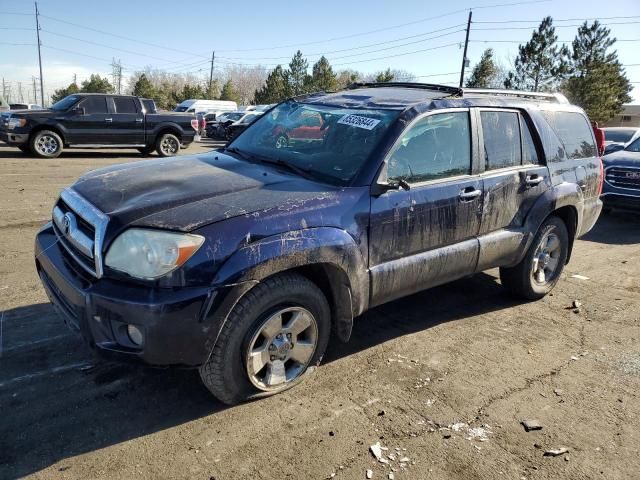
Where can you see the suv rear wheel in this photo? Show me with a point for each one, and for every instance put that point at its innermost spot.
(540, 269)
(272, 336)
(46, 144)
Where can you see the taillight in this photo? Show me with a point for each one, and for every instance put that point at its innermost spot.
(203, 123)
(601, 179)
(194, 124)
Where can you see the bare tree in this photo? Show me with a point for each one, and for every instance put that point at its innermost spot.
(246, 80)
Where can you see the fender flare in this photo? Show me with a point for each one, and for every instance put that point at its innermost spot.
(324, 247)
(559, 196)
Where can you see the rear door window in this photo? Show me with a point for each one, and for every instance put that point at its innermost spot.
(125, 105)
(501, 132)
(574, 132)
(529, 153)
(94, 105)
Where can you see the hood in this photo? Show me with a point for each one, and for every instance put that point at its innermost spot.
(622, 158)
(184, 193)
(31, 113)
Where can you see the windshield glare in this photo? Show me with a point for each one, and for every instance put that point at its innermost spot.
(65, 103)
(331, 143)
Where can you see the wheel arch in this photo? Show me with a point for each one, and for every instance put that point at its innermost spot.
(53, 128)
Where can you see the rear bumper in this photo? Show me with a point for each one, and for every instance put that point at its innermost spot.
(172, 320)
(11, 138)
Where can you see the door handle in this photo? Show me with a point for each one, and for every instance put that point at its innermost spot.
(139, 120)
(108, 119)
(467, 194)
(533, 180)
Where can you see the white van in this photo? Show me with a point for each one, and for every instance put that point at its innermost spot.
(205, 106)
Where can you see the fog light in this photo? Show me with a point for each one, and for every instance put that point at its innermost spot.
(135, 335)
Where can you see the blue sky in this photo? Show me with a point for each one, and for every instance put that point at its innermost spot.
(180, 36)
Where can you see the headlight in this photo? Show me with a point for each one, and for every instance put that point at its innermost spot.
(150, 254)
(16, 122)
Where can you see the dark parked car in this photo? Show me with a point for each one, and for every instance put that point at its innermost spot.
(218, 128)
(622, 178)
(241, 125)
(616, 138)
(243, 261)
(88, 120)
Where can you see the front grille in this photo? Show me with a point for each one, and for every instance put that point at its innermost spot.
(624, 177)
(80, 228)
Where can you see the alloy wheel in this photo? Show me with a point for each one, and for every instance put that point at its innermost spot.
(47, 145)
(281, 349)
(546, 259)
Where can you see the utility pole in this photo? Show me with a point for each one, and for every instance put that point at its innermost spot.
(39, 56)
(116, 72)
(75, 79)
(465, 60)
(213, 58)
(20, 98)
(4, 89)
(35, 95)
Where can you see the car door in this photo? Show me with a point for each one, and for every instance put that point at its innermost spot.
(86, 122)
(427, 234)
(127, 122)
(514, 178)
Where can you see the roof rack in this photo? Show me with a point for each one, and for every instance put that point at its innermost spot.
(425, 86)
(551, 97)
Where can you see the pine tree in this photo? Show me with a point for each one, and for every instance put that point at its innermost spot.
(64, 92)
(599, 84)
(386, 76)
(540, 65)
(143, 88)
(229, 92)
(485, 72)
(96, 84)
(275, 88)
(322, 77)
(297, 74)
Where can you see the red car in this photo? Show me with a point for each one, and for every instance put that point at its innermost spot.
(310, 130)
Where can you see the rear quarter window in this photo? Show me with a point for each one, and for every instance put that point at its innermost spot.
(574, 132)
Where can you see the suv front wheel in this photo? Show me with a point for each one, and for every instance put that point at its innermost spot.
(271, 337)
(540, 269)
(46, 144)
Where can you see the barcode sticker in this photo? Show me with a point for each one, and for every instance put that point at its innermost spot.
(360, 122)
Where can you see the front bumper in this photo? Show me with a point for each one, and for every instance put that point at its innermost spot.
(11, 138)
(173, 321)
(621, 201)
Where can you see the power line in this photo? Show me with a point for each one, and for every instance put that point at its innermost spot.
(163, 47)
(555, 26)
(398, 55)
(422, 20)
(360, 47)
(559, 19)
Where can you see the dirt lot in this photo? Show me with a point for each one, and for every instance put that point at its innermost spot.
(465, 356)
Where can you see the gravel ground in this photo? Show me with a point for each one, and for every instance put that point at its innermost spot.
(443, 378)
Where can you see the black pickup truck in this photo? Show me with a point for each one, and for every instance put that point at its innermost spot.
(89, 120)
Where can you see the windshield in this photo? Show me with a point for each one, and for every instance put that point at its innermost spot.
(65, 103)
(231, 116)
(182, 109)
(248, 118)
(618, 136)
(331, 143)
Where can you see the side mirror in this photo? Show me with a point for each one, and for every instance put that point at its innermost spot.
(378, 189)
(79, 111)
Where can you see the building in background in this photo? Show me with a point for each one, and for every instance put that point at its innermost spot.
(630, 117)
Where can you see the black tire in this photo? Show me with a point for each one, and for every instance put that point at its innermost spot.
(226, 373)
(521, 279)
(146, 150)
(167, 145)
(46, 144)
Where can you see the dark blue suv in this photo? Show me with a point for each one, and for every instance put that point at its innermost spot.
(243, 261)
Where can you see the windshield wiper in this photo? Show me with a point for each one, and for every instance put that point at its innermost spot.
(303, 172)
(239, 152)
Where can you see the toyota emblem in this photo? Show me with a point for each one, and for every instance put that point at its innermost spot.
(66, 223)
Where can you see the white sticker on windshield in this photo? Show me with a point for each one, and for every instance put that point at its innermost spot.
(360, 122)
